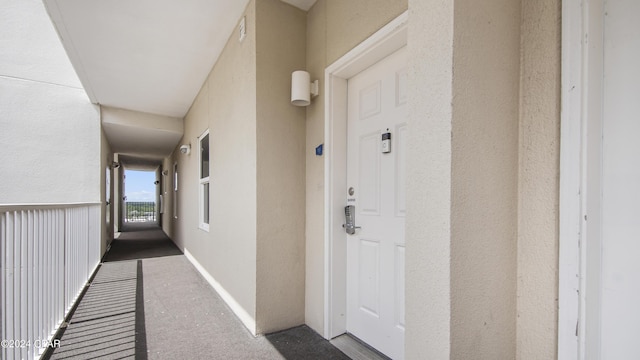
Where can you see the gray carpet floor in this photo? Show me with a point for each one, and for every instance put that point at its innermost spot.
(148, 302)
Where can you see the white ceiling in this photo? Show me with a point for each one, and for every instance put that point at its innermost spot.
(301, 4)
(146, 55)
(141, 141)
(149, 56)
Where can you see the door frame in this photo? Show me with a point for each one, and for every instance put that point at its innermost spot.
(580, 242)
(381, 44)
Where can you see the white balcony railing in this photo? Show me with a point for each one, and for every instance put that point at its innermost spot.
(140, 211)
(47, 254)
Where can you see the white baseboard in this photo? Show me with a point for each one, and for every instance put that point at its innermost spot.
(240, 312)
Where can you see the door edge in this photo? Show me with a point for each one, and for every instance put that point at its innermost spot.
(384, 42)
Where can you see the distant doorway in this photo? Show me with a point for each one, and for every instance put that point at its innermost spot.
(140, 198)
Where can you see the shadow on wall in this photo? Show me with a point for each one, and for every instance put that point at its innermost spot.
(109, 321)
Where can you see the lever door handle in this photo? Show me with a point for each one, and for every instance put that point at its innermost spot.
(350, 229)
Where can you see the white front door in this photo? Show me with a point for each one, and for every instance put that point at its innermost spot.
(620, 313)
(376, 189)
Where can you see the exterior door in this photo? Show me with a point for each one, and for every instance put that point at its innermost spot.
(376, 183)
(620, 292)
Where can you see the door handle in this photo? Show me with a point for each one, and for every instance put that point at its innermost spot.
(350, 220)
(350, 229)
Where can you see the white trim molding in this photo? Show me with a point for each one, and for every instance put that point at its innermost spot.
(384, 42)
(246, 318)
(580, 174)
(570, 182)
(204, 183)
(21, 207)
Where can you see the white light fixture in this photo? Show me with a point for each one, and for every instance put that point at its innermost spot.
(302, 88)
(185, 149)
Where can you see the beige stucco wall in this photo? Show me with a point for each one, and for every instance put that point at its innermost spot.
(537, 330)
(504, 173)
(333, 28)
(350, 22)
(314, 193)
(484, 169)
(280, 128)
(428, 223)
(255, 246)
(481, 232)
(226, 105)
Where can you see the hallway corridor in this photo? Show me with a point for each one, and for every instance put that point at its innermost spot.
(148, 302)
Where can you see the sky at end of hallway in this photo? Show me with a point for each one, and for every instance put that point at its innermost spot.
(139, 185)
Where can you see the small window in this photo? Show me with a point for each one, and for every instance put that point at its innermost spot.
(175, 190)
(204, 180)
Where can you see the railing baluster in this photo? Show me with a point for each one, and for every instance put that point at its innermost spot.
(16, 275)
(46, 257)
(3, 265)
(138, 211)
(29, 283)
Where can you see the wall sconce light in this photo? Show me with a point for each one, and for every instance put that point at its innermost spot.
(185, 149)
(302, 88)
(115, 165)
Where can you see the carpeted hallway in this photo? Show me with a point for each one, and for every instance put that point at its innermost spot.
(148, 302)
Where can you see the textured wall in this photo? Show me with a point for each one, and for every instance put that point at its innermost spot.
(537, 331)
(483, 196)
(463, 181)
(486, 67)
(334, 27)
(350, 22)
(428, 227)
(255, 246)
(49, 132)
(226, 105)
(31, 49)
(51, 137)
(280, 127)
(314, 223)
